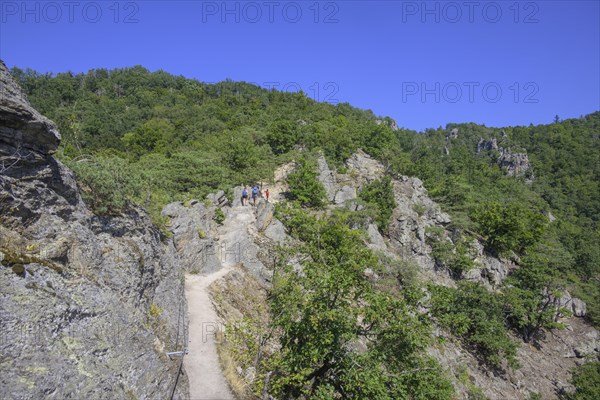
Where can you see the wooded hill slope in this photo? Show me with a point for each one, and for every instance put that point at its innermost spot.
(155, 137)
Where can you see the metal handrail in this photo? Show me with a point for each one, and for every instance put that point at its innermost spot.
(184, 351)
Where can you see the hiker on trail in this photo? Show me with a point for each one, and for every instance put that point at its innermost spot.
(267, 194)
(254, 194)
(244, 196)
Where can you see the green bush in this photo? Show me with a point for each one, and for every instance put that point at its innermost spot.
(379, 194)
(476, 316)
(456, 258)
(586, 379)
(153, 135)
(107, 183)
(219, 216)
(508, 227)
(282, 136)
(529, 293)
(304, 186)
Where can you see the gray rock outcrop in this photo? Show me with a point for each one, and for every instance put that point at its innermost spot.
(276, 232)
(365, 167)
(218, 199)
(21, 126)
(264, 215)
(576, 306)
(389, 122)
(375, 238)
(487, 145)
(344, 194)
(88, 304)
(326, 177)
(515, 164)
(193, 229)
(414, 213)
(267, 224)
(453, 134)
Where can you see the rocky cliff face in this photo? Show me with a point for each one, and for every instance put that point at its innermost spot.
(515, 164)
(88, 304)
(23, 128)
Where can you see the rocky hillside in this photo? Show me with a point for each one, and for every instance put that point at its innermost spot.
(88, 305)
(242, 294)
(435, 301)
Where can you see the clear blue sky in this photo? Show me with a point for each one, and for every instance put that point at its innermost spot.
(424, 64)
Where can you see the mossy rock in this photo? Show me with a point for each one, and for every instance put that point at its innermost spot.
(54, 267)
(18, 269)
(14, 260)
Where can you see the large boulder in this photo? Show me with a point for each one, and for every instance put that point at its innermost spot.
(345, 194)
(576, 306)
(494, 270)
(376, 241)
(276, 232)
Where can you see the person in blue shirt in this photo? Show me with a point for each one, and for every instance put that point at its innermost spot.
(244, 196)
(255, 192)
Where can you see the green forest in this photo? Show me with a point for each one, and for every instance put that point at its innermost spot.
(150, 138)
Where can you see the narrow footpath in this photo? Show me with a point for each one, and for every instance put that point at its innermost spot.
(202, 365)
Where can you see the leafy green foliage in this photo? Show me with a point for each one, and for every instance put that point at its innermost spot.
(282, 136)
(586, 379)
(153, 135)
(475, 315)
(107, 183)
(510, 227)
(304, 186)
(299, 223)
(219, 216)
(379, 194)
(328, 308)
(457, 258)
(530, 295)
